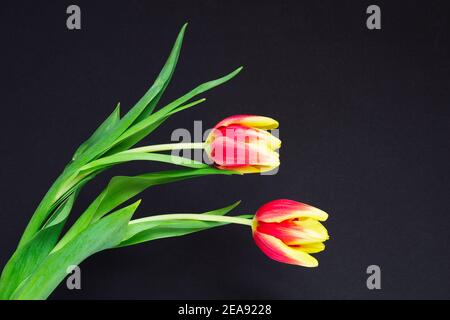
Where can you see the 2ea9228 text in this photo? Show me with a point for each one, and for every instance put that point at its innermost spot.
(225, 309)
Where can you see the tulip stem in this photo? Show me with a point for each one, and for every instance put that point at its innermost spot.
(201, 217)
(167, 147)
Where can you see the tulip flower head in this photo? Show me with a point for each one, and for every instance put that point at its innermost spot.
(242, 143)
(288, 231)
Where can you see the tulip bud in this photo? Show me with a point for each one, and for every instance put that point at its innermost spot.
(242, 143)
(288, 231)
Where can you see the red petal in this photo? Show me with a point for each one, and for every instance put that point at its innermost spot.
(277, 250)
(284, 209)
(249, 121)
(295, 232)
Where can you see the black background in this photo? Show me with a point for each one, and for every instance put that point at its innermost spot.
(364, 122)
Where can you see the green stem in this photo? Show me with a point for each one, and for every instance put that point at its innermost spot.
(201, 217)
(167, 147)
(76, 178)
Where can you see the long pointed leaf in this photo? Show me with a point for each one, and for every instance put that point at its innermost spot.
(161, 114)
(165, 76)
(123, 188)
(105, 128)
(104, 234)
(26, 259)
(138, 136)
(144, 105)
(140, 156)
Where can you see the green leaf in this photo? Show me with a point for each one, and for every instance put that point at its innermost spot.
(140, 230)
(104, 234)
(46, 207)
(25, 259)
(164, 77)
(186, 106)
(144, 106)
(139, 128)
(105, 128)
(135, 138)
(139, 156)
(123, 188)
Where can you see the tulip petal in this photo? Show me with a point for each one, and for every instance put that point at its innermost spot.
(259, 136)
(284, 209)
(312, 247)
(249, 121)
(248, 169)
(246, 134)
(295, 232)
(313, 228)
(277, 250)
(226, 151)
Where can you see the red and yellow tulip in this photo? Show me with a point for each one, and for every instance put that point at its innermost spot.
(288, 231)
(242, 143)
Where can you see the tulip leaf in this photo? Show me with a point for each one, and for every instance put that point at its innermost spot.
(28, 257)
(105, 128)
(143, 107)
(139, 156)
(164, 77)
(142, 126)
(123, 188)
(103, 234)
(138, 136)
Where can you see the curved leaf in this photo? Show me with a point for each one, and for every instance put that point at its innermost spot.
(104, 234)
(143, 107)
(105, 128)
(28, 257)
(123, 188)
(142, 126)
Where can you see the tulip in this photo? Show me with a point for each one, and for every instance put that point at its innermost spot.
(285, 230)
(242, 143)
(288, 231)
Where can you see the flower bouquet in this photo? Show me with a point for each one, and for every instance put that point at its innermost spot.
(285, 230)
